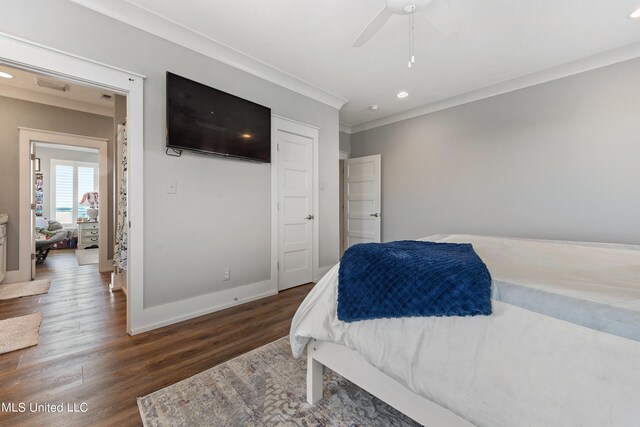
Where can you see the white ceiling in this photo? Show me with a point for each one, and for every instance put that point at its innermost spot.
(499, 40)
(24, 85)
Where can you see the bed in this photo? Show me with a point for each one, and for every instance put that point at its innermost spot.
(562, 346)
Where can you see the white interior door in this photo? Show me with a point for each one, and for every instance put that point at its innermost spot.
(362, 177)
(295, 209)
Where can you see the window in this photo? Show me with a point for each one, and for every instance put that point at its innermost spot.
(69, 181)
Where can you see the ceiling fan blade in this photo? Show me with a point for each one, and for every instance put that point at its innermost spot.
(440, 15)
(372, 27)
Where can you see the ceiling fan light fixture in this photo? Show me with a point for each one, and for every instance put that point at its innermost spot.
(402, 94)
(410, 8)
(635, 14)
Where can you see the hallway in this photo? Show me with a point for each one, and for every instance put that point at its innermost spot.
(85, 355)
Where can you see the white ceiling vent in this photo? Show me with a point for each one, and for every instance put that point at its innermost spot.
(50, 84)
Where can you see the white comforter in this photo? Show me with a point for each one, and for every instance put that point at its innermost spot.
(513, 368)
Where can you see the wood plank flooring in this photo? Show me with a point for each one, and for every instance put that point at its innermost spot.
(85, 355)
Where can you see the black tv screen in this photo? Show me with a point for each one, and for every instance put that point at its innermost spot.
(201, 118)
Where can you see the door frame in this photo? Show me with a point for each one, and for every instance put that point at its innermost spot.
(28, 137)
(343, 155)
(311, 132)
(30, 56)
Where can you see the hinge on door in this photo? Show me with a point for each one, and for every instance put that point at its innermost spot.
(129, 224)
(277, 147)
(278, 203)
(33, 157)
(33, 206)
(33, 256)
(278, 265)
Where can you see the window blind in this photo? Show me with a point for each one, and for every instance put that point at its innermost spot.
(64, 194)
(72, 180)
(86, 179)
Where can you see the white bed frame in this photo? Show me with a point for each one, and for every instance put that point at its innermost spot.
(352, 366)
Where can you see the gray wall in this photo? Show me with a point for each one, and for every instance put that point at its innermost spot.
(46, 154)
(560, 160)
(345, 142)
(16, 113)
(221, 213)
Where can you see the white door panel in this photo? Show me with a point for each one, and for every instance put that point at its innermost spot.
(362, 180)
(295, 209)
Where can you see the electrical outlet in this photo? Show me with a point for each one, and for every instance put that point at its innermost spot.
(172, 187)
(226, 274)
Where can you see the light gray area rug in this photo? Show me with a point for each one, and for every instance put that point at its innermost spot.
(19, 332)
(24, 289)
(87, 256)
(265, 387)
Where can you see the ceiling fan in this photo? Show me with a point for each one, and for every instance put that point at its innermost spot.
(436, 12)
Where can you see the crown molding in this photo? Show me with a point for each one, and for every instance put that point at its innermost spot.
(593, 62)
(49, 49)
(345, 128)
(184, 36)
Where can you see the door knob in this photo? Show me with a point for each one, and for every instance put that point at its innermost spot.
(309, 217)
(375, 214)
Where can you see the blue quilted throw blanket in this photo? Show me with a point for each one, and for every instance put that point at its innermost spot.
(411, 278)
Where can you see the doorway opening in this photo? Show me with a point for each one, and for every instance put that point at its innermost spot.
(67, 70)
(67, 189)
(295, 186)
(59, 136)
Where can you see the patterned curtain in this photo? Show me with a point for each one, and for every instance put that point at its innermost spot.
(122, 225)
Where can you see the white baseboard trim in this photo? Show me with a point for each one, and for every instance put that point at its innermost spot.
(321, 272)
(15, 276)
(174, 312)
(107, 269)
(118, 281)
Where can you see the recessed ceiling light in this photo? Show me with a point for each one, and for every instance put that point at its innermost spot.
(246, 135)
(402, 94)
(635, 14)
(374, 107)
(5, 75)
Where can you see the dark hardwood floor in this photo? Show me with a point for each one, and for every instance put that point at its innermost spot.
(85, 356)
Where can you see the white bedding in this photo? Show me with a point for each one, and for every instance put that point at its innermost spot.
(590, 284)
(601, 273)
(515, 367)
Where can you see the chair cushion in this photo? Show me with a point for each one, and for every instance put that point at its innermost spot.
(54, 225)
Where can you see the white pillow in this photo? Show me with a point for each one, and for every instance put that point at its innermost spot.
(41, 223)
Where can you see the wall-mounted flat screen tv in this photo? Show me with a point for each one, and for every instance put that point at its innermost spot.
(203, 119)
